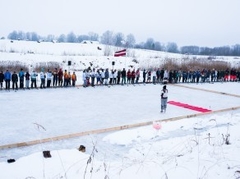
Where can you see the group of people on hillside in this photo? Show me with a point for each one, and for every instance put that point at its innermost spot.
(29, 80)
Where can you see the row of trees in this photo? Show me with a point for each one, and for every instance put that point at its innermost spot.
(119, 39)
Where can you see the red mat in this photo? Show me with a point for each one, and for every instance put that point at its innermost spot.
(195, 108)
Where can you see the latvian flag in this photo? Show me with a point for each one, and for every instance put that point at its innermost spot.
(120, 53)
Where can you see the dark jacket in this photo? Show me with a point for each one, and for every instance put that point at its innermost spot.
(124, 73)
(14, 77)
(27, 76)
(1, 77)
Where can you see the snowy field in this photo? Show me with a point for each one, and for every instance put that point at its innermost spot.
(202, 147)
(187, 148)
(81, 55)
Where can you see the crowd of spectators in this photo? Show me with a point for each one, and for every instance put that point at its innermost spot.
(99, 77)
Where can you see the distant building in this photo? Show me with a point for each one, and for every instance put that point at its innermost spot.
(89, 42)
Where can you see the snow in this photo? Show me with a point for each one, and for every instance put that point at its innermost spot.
(190, 147)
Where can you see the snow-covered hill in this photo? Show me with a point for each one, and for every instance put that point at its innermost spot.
(82, 54)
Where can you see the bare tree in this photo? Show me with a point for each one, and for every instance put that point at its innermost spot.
(71, 37)
(172, 47)
(62, 38)
(107, 38)
(130, 41)
(149, 44)
(93, 36)
(119, 39)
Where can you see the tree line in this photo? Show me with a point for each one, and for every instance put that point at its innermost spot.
(128, 41)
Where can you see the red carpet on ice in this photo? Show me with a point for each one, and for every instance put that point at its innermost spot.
(195, 108)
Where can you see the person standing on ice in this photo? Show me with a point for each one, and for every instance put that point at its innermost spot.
(42, 78)
(93, 76)
(27, 77)
(1, 79)
(74, 79)
(106, 77)
(84, 78)
(65, 78)
(164, 98)
(123, 74)
(7, 78)
(49, 78)
(21, 78)
(34, 79)
(60, 77)
(14, 81)
(55, 77)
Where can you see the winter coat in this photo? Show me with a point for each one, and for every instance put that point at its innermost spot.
(21, 75)
(137, 73)
(60, 74)
(42, 75)
(7, 75)
(133, 74)
(27, 76)
(34, 76)
(65, 75)
(84, 76)
(1, 77)
(124, 73)
(49, 75)
(74, 77)
(129, 74)
(14, 77)
(106, 74)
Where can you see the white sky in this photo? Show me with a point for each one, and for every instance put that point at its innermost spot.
(186, 22)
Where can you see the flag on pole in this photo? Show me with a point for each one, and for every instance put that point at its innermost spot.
(120, 53)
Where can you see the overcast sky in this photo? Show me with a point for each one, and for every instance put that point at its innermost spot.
(185, 22)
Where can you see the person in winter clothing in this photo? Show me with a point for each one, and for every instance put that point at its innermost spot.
(14, 81)
(21, 79)
(93, 76)
(42, 78)
(144, 75)
(133, 75)
(137, 75)
(111, 76)
(198, 75)
(34, 79)
(115, 76)
(74, 79)
(60, 77)
(55, 77)
(129, 76)
(118, 76)
(84, 78)
(27, 79)
(69, 79)
(65, 77)
(49, 78)
(149, 74)
(154, 76)
(102, 76)
(1, 79)
(124, 75)
(98, 76)
(164, 98)
(7, 78)
(106, 77)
